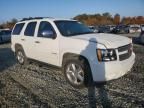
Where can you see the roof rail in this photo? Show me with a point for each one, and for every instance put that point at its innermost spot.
(31, 18)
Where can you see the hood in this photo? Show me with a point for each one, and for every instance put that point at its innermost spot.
(109, 40)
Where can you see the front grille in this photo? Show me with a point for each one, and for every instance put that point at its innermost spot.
(127, 49)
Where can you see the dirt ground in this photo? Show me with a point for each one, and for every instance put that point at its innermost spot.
(34, 86)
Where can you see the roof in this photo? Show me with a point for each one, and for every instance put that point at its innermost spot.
(41, 18)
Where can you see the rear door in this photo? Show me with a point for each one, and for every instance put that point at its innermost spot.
(16, 35)
(27, 39)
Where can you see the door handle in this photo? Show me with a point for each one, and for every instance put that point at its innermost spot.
(23, 39)
(54, 53)
(37, 41)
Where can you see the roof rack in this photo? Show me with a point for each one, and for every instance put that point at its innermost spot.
(32, 18)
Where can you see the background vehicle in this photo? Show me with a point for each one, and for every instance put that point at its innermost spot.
(5, 36)
(111, 27)
(142, 37)
(93, 28)
(120, 29)
(142, 27)
(104, 29)
(134, 28)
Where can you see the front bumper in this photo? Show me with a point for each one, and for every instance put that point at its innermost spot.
(105, 71)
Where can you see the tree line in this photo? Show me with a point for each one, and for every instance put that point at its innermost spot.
(93, 19)
(108, 19)
(9, 24)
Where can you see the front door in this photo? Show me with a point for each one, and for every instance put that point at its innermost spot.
(47, 49)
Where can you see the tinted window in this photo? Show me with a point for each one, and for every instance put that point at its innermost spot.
(30, 29)
(18, 29)
(45, 26)
(5, 32)
(72, 28)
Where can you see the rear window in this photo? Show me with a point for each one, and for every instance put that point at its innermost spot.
(18, 28)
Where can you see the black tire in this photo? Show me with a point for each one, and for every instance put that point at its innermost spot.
(86, 71)
(23, 60)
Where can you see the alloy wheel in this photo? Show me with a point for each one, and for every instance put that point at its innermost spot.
(75, 73)
(20, 57)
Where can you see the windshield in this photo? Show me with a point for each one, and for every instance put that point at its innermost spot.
(72, 28)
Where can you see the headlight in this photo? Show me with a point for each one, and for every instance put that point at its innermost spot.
(106, 54)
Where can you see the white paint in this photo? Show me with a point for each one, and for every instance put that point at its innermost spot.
(52, 50)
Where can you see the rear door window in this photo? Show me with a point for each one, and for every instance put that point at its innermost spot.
(30, 29)
(18, 28)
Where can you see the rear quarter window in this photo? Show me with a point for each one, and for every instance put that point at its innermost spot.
(18, 28)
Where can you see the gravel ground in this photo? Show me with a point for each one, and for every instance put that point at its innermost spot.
(35, 86)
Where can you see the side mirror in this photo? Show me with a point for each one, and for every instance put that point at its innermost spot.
(48, 34)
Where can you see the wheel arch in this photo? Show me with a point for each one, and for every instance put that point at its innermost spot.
(89, 78)
(18, 46)
(70, 55)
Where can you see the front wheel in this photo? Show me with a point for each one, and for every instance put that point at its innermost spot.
(77, 73)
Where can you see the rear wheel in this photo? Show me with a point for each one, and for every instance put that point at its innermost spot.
(20, 56)
(77, 72)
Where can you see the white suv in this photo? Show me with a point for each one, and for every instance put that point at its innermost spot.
(85, 57)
